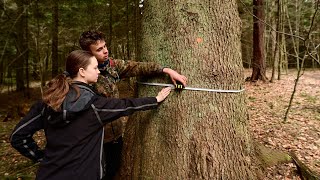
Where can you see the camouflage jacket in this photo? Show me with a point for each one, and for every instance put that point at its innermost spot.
(111, 72)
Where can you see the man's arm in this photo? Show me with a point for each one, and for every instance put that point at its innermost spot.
(133, 69)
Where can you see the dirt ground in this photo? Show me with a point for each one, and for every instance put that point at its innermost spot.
(267, 104)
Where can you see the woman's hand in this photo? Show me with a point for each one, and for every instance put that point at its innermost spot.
(163, 94)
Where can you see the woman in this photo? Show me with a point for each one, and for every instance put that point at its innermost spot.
(72, 115)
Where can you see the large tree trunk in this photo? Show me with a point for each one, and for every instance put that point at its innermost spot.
(193, 134)
(258, 61)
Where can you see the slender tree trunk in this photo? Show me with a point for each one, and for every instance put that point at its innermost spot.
(46, 63)
(2, 72)
(20, 47)
(37, 46)
(135, 38)
(109, 38)
(27, 53)
(193, 135)
(297, 31)
(137, 20)
(274, 38)
(295, 41)
(276, 47)
(281, 39)
(285, 61)
(267, 32)
(128, 31)
(258, 62)
(55, 29)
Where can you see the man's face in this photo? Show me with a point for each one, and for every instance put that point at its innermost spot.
(100, 50)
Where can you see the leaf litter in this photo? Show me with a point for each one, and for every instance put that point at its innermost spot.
(267, 104)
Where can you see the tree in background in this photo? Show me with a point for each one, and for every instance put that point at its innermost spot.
(21, 44)
(76, 16)
(258, 59)
(275, 39)
(120, 21)
(194, 134)
(53, 31)
(55, 38)
(247, 31)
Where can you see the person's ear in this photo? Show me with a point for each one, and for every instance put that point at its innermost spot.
(81, 72)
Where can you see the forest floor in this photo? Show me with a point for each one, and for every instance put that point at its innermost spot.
(267, 104)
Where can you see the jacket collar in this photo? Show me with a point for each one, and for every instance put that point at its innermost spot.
(104, 64)
(88, 86)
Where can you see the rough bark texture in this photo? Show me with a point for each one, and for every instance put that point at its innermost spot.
(258, 61)
(193, 134)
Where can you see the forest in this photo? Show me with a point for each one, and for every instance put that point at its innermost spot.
(270, 49)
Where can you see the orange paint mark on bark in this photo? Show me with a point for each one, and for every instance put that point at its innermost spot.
(199, 40)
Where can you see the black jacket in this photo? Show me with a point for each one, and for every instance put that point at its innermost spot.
(74, 135)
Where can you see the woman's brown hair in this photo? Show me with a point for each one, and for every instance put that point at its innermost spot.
(58, 87)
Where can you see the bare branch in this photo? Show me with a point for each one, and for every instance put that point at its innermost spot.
(299, 37)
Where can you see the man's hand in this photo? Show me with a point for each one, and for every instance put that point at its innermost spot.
(175, 76)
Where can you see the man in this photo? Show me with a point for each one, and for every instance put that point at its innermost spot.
(111, 72)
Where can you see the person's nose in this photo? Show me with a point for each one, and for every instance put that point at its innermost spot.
(105, 50)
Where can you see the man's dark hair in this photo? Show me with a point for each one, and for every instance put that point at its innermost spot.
(90, 37)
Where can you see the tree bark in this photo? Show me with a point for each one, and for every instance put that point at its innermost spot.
(258, 62)
(193, 134)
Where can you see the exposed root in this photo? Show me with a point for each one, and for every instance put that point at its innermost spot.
(271, 157)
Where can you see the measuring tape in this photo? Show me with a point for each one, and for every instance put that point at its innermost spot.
(180, 87)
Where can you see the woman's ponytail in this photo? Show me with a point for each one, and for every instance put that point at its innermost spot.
(57, 90)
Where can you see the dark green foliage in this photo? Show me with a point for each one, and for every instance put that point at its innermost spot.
(74, 17)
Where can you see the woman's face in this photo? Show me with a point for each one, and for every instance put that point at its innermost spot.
(91, 73)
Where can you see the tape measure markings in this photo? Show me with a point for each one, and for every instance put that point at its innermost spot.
(192, 88)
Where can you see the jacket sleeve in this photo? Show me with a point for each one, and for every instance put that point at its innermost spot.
(132, 68)
(21, 137)
(109, 109)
